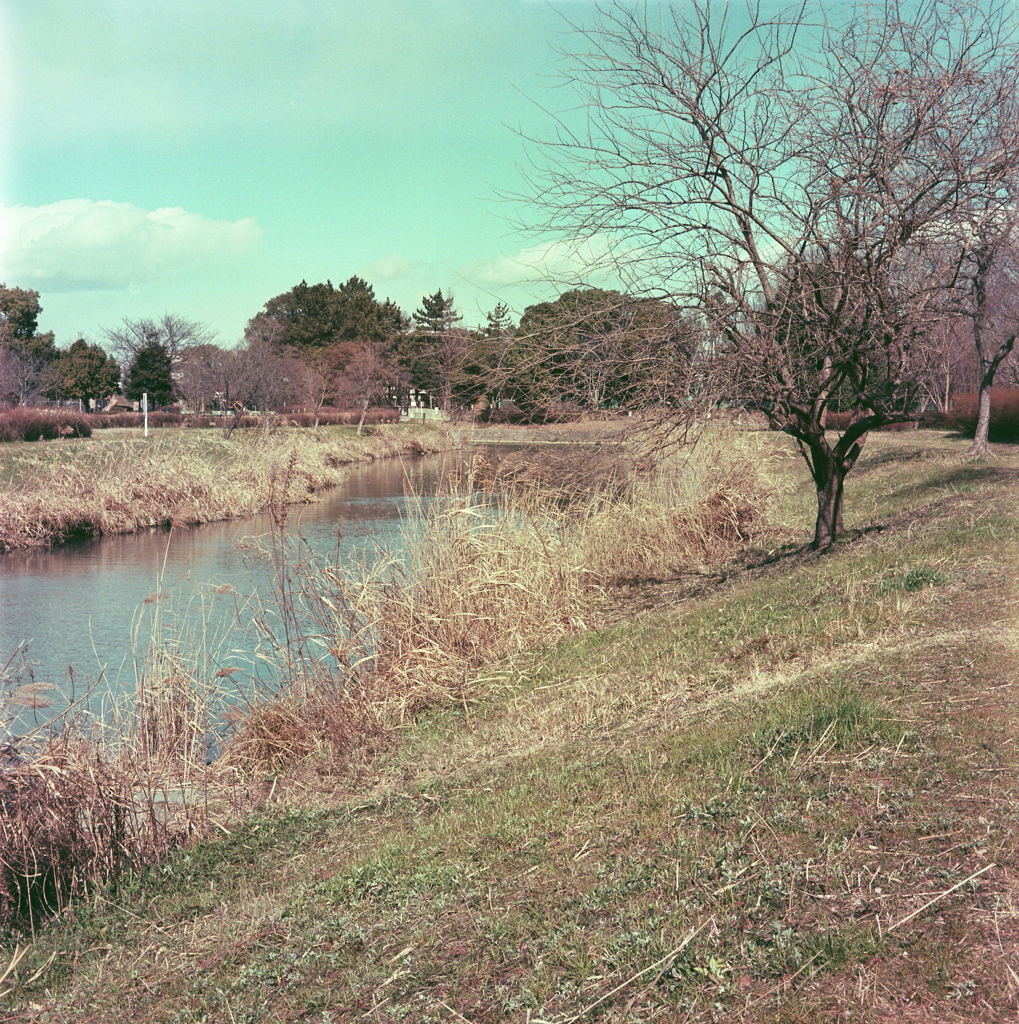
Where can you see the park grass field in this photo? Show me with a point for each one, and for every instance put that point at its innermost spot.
(777, 789)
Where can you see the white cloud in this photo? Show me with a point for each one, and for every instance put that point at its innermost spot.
(390, 268)
(82, 245)
(566, 262)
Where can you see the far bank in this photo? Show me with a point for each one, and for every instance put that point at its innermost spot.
(120, 481)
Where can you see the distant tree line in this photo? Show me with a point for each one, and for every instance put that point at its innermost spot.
(323, 345)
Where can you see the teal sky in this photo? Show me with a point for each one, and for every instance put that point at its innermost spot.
(200, 158)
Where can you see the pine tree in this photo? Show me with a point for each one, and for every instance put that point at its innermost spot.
(150, 373)
(500, 323)
(437, 314)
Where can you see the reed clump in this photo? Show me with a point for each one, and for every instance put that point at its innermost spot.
(76, 810)
(66, 821)
(319, 720)
(89, 795)
(685, 513)
(504, 561)
(121, 486)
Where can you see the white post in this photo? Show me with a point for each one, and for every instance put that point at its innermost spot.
(145, 411)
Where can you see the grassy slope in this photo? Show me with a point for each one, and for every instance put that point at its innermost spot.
(785, 765)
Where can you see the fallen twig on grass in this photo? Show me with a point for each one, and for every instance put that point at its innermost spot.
(940, 896)
(629, 981)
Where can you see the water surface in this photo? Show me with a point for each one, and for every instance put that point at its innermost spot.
(84, 613)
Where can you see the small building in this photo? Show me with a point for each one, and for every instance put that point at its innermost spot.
(118, 403)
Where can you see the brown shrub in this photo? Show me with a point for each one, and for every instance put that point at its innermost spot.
(1004, 426)
(25, 424)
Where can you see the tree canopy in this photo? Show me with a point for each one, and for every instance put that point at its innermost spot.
(24, 352)
(85, 372)
(806, 187)
(174, 332)
(310, 317)
(150, 373)
(597, 348)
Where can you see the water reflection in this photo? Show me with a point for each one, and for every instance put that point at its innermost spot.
(85, 612)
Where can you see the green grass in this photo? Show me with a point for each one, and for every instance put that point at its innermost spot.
(722, 807)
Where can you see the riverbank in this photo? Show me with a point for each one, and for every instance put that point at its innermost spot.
(783, 789)
(119, 481)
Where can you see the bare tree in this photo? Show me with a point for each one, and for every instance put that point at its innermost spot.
(201, 375)
(256, 377)
(793, 183)
(370, 376)
(945, 364)
(175, 333)
(989, 287)
(20, 377)
(321, 376)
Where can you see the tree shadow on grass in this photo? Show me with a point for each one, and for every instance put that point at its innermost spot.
(959, 476)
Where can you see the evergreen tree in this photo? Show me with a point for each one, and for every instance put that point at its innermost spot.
(85, 371)
(24, 353)
(317, 316)
(500, 323)
(150, 373)
(434, 352)
(437, 314)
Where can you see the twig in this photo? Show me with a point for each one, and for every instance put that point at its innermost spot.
(39, 973)
(940, 896)
(629, 981)
(455, 1013)
(19, 954)
(784, 982)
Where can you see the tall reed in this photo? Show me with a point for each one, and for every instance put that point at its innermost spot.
(107, 784)
(508, 558)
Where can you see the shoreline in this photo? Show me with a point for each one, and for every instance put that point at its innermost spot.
(62, 491)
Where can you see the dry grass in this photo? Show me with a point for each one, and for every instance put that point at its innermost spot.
(504, 561)
(67, 820)
(80, 806)
(115, 486)
(788, 799)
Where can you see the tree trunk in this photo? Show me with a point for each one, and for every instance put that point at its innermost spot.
(360, 422)
(231, 421)
(829, 479)
(979, 445)
(829, 467)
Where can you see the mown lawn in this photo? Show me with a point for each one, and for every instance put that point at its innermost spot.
(782, 792)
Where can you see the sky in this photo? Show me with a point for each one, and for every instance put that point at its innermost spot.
(202, 157)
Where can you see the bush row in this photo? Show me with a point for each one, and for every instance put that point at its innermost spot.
(21, 424)
(326, 417)
(961, 417)
(27, 424)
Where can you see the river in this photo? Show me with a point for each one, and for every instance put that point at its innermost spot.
(80, 619)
